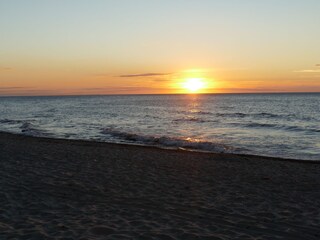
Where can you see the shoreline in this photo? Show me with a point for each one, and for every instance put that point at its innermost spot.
(75, 189)
(84, 141)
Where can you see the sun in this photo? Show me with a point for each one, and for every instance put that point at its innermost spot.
(194, 84)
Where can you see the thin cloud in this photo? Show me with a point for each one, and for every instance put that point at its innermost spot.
(313, 70)
(8, 88)
(143, 75)
(5, 68)
(308, 71)
(117, 89)
(5, 91)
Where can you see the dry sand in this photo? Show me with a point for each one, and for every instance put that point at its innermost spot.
(63, 189)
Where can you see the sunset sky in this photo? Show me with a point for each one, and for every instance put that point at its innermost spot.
(156, 46)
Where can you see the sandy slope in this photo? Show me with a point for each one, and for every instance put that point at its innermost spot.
(59, 189)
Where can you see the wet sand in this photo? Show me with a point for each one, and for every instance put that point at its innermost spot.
(64, 189)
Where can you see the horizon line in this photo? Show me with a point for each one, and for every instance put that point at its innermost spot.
(148, 94)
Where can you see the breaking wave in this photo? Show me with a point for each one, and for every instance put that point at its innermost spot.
(29, 129)
(26, 127)
(164, 141)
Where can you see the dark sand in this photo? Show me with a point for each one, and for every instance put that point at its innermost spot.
(63, 189)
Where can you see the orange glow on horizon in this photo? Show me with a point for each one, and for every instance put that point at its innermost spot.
(81, 81)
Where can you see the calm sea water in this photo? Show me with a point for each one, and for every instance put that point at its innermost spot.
(279, 125)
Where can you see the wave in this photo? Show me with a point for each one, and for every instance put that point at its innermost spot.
(282, 116)
(195, 112)
(260, 125)
(10, 121)
(243, 115)
(164, 141)
(301, 129)
(51, 110)
(43, 115)
(265, 115)
(28, 128)
(240, 115)
(190, 119)
(279, 127)
(202, 112)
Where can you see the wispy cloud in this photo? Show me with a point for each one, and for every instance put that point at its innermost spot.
(29, 91)
(9, 88)
(4, 91)
(114, 91)
(311, 70)
(143, 75)
(117, 89)
(308, 71)
(5, 68)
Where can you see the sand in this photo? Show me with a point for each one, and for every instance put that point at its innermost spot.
(64, 189)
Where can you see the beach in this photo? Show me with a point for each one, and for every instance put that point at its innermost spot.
(74, 189)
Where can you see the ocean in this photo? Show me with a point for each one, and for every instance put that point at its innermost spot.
(276, 125)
